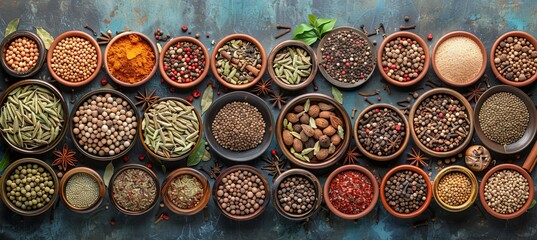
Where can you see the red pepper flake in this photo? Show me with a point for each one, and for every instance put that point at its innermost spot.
(104, 81)
(149, 165)
(196, 93)
(141, 157)
(350, 192)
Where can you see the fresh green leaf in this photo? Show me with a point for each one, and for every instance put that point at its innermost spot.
(533, 202)
(108, 173)
(12, 26)
(326, 25)
(313, 19)
(206, 99)
(302, 28)
(307, 34)
(4, 162)
(206, 156)
(309, 41)
(197, 154)
(45, 36)
(338, 96)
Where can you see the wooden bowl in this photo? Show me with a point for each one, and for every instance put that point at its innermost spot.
(253, 171)
(340, 112)
(96, 177)
(356, 168)
(528, 136)
(174, 41)
(7, 173)
(504, 80)
(54, 91)
(40, 46)
(524, 208)
(375, 156)
(112, 182)
(481, 68)
(413, 169)
(305, 82)
(462, 100)
(186, 171)
(79, 34)
(473, 194)
(300, 173)
(243, 37)
(422, 44)
(141, 81)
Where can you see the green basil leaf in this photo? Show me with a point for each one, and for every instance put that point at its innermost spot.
(108, 173)
(338, 96)
(12, 26)
(313, 19)
(196, 155)
(45, 36)
(533, 202)
(301, 29)
(309, 41)
(206, 99)
(326, 25)
(5, 161)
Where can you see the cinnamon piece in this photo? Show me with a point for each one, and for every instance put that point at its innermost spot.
(248, 67)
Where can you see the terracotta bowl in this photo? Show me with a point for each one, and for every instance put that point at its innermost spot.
(530, 38)
(243, 37)
(375, 156)
(112, 182)
(301, 173)
(462, 100)
(421, 42)
(58, 94)
(96, 177)
(80, 35)
(351, 168)
(174, 41)
(40, 46)
(524, 208)
(413, 169)
(340, 112)
(180, 172)
(253, 171)
(305, 82)
(528, 136)
(473, 194)
(142, 81)
(481, 68)
(7, 173)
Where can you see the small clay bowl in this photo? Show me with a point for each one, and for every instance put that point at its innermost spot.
(300, 173)
(6, 175)
(528, 136)
(242, 156)
(375, 156)
(180, 172)
(163, 158)
(112, 182)
(79, 34)
(504, 80)
(404, 168)
(96, 177)
(524, 208)
(331, 79)
(253, 171)
(340, 112)
(462, 100)
(141, 81)
(243, 37)
(40, 46)
(356, 168)
(54, 91)
(473, 194)
(474, 39)
(422, 44)
(305, 82)
(195, 82)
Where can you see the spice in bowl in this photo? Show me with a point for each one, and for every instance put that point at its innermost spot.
(515, 59)
(506, 191)
(403, 59)
(454, 188)
(130, 58)
(134, 190)
(238, 61)
(185, 191)
(458, 59)
(296, 195)
(82, 190)
(381, 131)
(406, 191)
(292, 65)
(350, 192)
(74, 59)
(238, 126)
(241, 193)
(29, 187)
(184, 62)
(21, 54)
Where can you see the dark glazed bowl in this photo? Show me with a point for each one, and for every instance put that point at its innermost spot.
(313, 59)
(186, 171)
(40, 60)
(473, 194)
(96, 177)
(113, 179)
(301, 173)
(174, 41)
(504, 80)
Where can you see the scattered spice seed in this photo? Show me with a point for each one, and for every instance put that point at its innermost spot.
(365, 94)
(141, 157)
(350, 192)
(281, 26)
(368, 101)
(104, 81)
(430, 36)
(184, 28)
(406, 18)
(196, 93)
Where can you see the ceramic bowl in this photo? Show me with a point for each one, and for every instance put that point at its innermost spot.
(181, 172)
(504, 80)
(121, 170)
(95, 176)
(175, 41)
(304, 82)
(474, 187)
(40, 46)
(297, 173)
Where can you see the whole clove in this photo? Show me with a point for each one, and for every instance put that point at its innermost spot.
(402, 28)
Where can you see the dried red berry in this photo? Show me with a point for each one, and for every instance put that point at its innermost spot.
(112, 222)
(378, 99)
(172, 89)
(149, 165)
(190, 98)
(430, 36)
(104, 81)
(141, 157)
(126, 158)
(196, 93)
(184, 28)
(208, 35)
(218, 93)
(273, 152)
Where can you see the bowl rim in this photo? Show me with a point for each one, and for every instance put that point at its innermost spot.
(474, 188)
(95, 176)
(298, 44)
(497, 74)
(40, 46)
(180, 172)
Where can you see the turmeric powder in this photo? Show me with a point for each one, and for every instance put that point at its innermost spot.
(130, 58)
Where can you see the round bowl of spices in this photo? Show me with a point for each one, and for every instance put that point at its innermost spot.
(403, 59)
(238, 61)
(506, 191)
(313, 131)
(406, 191)
(455, 188)
(130, 59)
(346, 57)
(459, 59)
(186, 191)
(297, 194)
(381, 132)
(292, 65)
(351, 192)
(505, 119)
(239, 126)
(241, 192)
(513, 58)
(441, 122)
(74, 58)
(103, 124)
(23, 54)
(184, 62)
(29, 187)
(170, 129)
(82, 189)
(42, 116)
(134, 189)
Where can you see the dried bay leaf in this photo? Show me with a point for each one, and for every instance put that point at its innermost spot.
(45, 36)
(206, 156)
(338, 96)
(197, 154)
(12, 26)
(206, 99)
(108, 173)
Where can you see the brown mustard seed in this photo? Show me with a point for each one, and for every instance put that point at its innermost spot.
(74, 59)
(22, 54)
(454, 188)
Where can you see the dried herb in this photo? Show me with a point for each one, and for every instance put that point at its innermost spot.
(108, 173)
(263, 88)
(65, 158)
(197, 154)
(206, 99)
(45, 36)
(338, 96)
(278, 99)
(145, 98)
(12, 26)
(417, 158)
(310, 33)
(4, 162)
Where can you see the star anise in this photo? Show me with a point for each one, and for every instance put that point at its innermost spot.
(263, 88)
(276, 165)
(65, 158)
(278, 99)
(145, 98)
(416, 158)
(214, 171)
(352, 156)
(475, 93)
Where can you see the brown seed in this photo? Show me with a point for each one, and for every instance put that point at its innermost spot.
(335, 121)
(336, 139)
(322, 154)
(324, 141)
(317, 134)
(308, 130)
(305, 118)
(287, 137)
(321, 122)
(314, 111)
(297, 145)
(326, 107)
(291, 117)
(303, 137)
(326, 114)
(329, 131)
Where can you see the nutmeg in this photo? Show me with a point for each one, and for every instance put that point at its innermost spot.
(324, 141)
(305, 118)
(314, 111)
(291, 117)
(321, 122)
(329, 131)
(317, 133)
(308, 130)
(326, 107)
(326, 114)
(297, 145)
(322, 154)
(287, 137)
